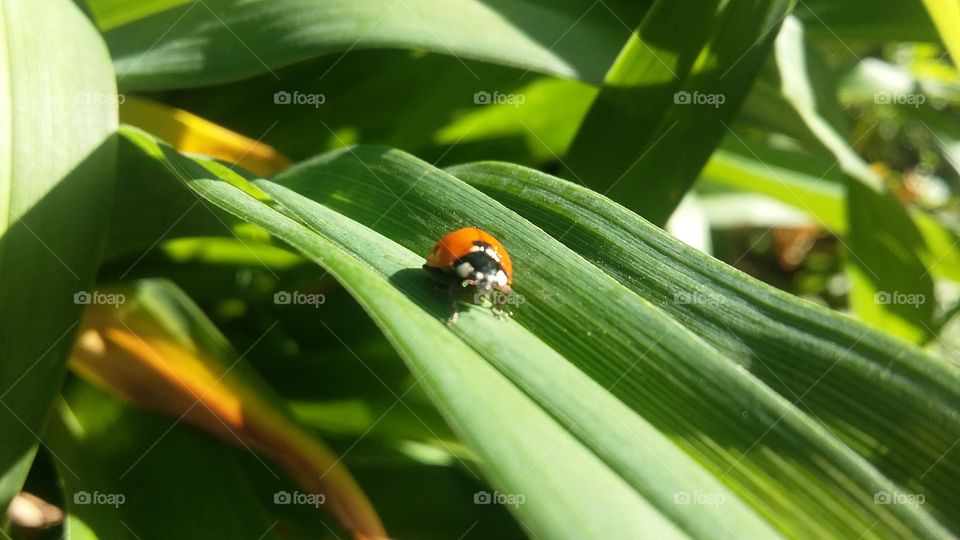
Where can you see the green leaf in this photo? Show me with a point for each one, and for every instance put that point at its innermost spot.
(942, 255)
(843, 23)
(124, 475)
(57, 153)
(946, 17)
(437, 121)
(670, 92)
(111, 13)
(590, 387)
(891, 288)
(893, 403)
(816, 186)
(469, 383)
(215, 41)
(798, 180)
(155, 348)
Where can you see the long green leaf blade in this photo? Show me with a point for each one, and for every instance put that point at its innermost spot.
(946, 17)
(669, 93)
(56, 174)
(867, 388)
(772, 457)
(891, 287)
(158, 49)
(464, 384)
(609, 349)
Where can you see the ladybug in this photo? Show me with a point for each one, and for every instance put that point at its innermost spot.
(471, 257)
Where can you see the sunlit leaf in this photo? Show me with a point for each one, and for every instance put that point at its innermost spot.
(627, 375)
(677, 81)
(891, 287)
(57, 154)
(178, 44)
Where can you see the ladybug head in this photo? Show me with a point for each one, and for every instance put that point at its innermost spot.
(482, 268)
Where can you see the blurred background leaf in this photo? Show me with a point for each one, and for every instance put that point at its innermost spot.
(154, 347)
(180, 44)
(677, 81)
(192, 134)
(946, 17)
(890, 286)
(125, 473)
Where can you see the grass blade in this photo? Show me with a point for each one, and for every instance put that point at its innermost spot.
(840, 371)
(57, 157)
(155, 49)
(675, 83)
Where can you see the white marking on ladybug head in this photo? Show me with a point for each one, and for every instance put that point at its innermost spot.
(464, 269)
(500, 278)
(492, 253)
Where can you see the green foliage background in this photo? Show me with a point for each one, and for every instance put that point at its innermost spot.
(643, 387)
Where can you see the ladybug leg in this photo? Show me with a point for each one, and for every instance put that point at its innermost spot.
(500, 299)
(455, 311)
(454, 315)
(499, 307)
